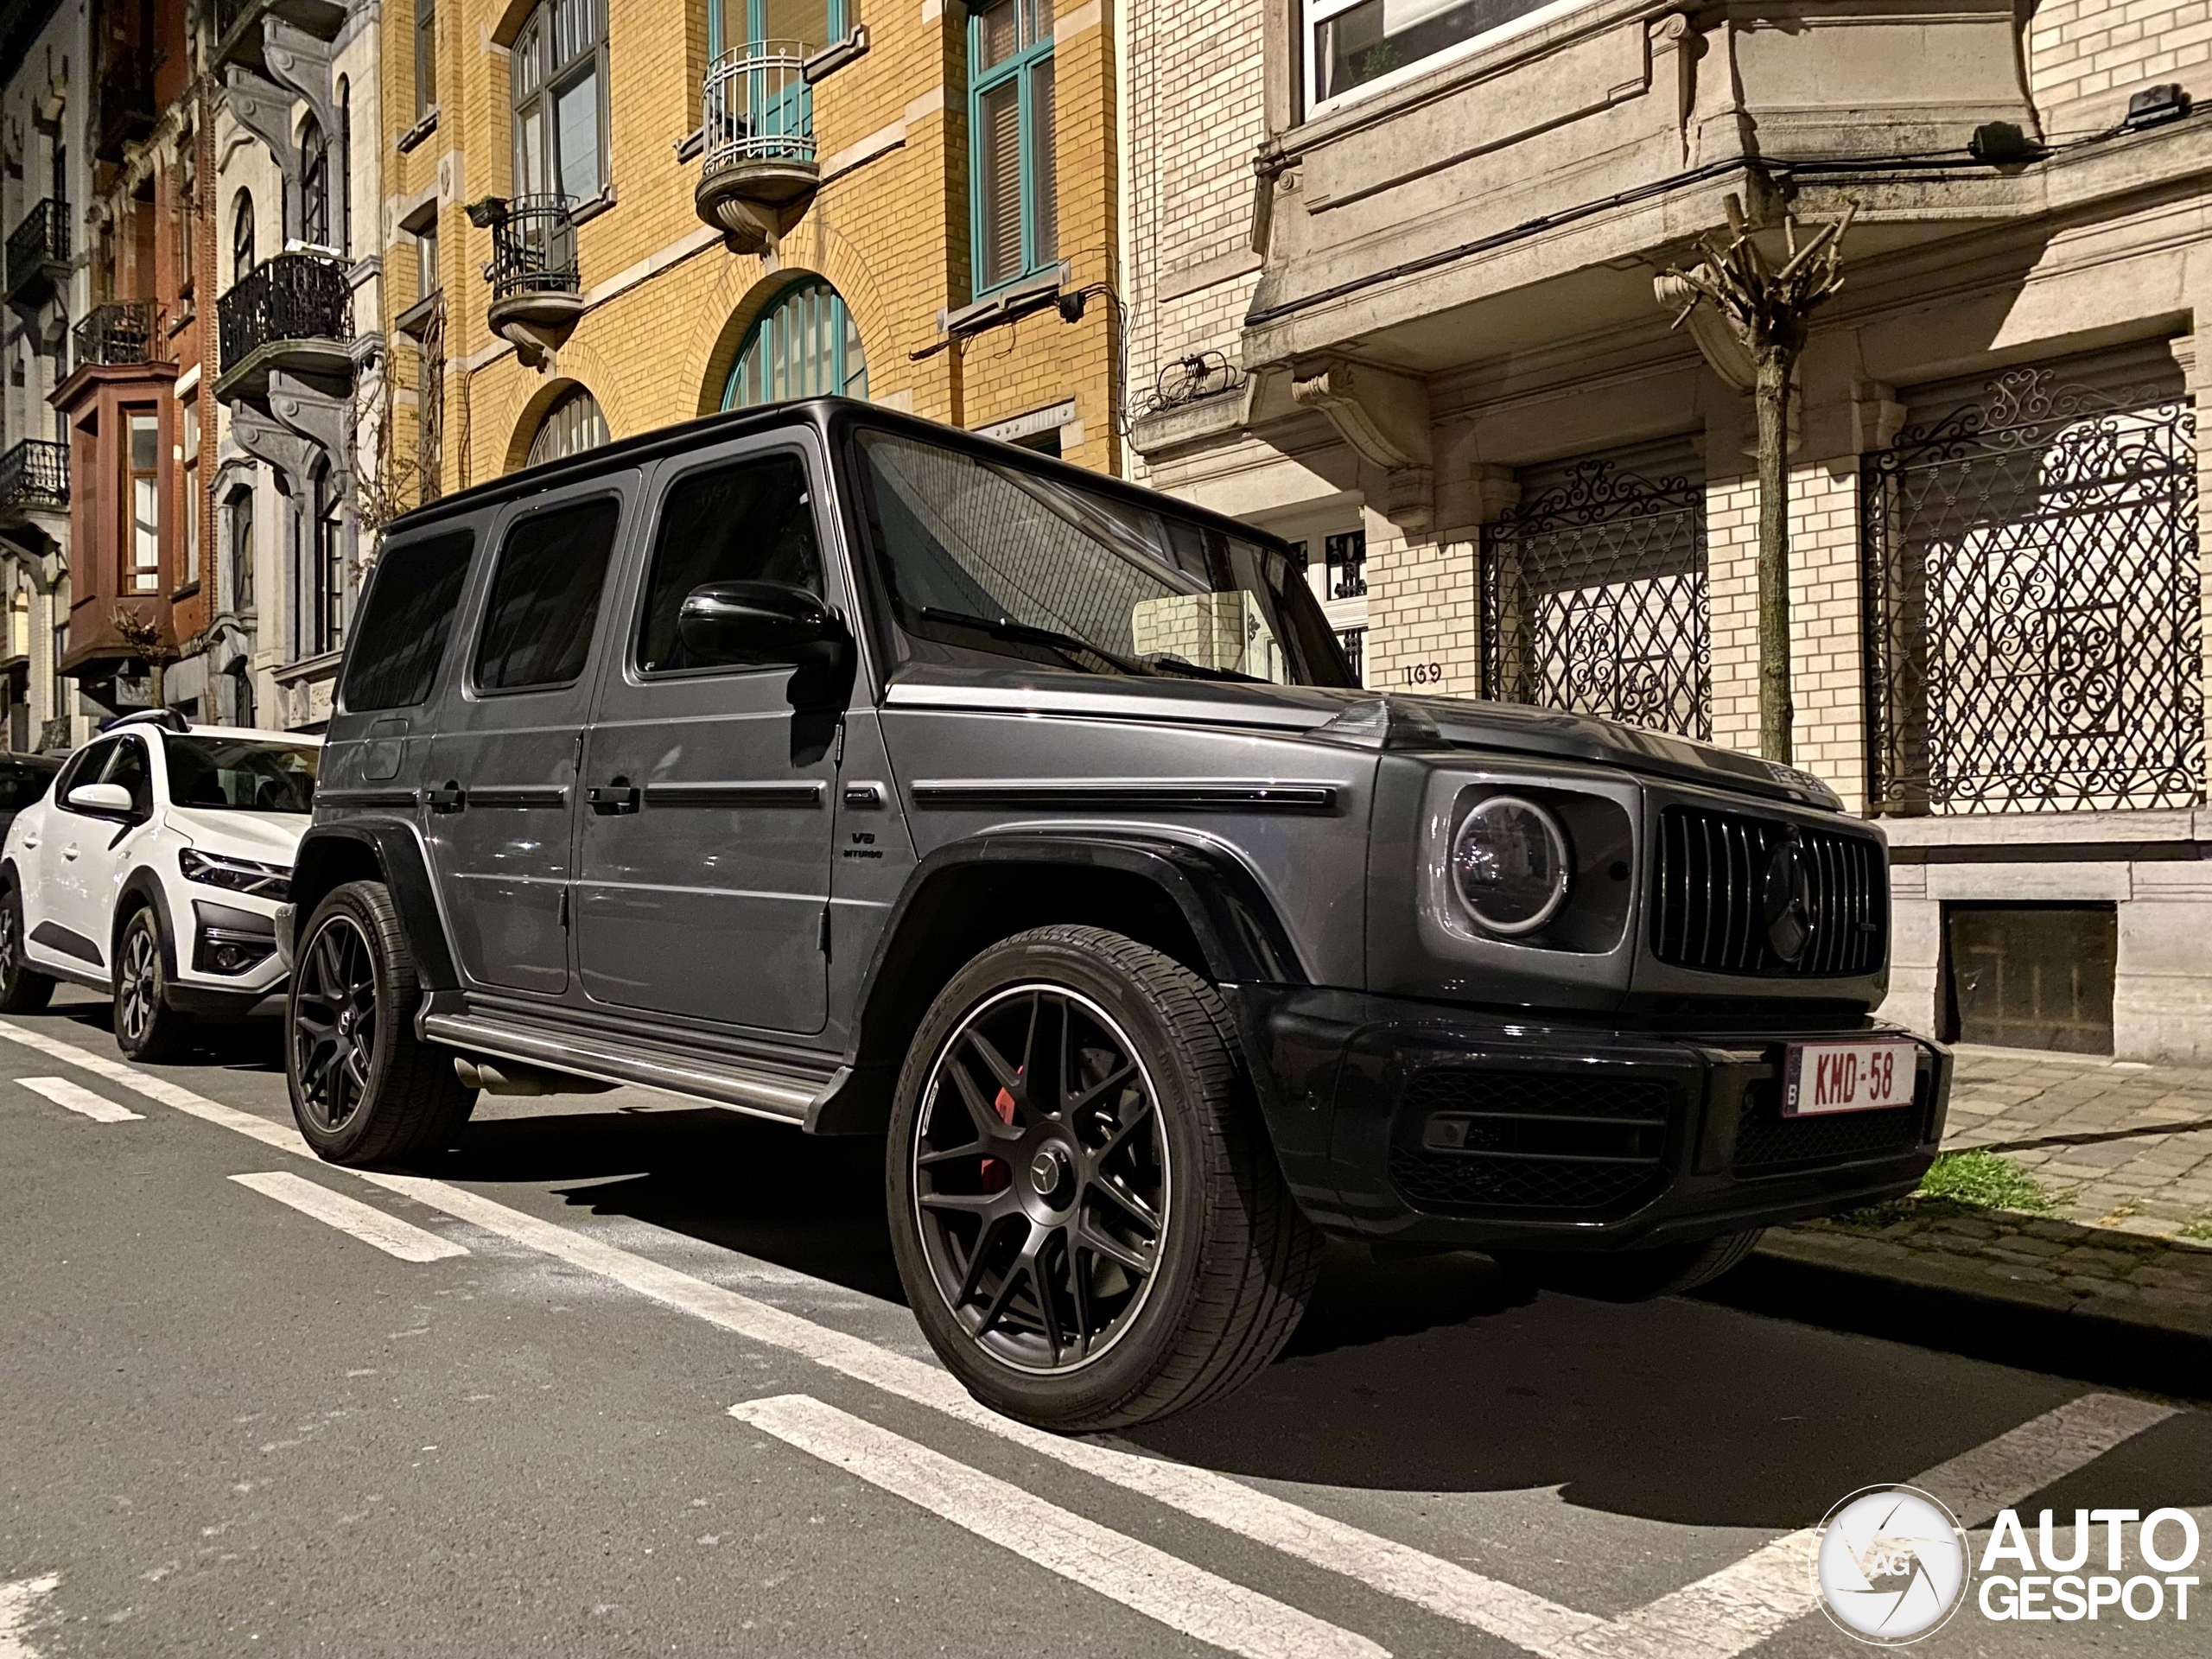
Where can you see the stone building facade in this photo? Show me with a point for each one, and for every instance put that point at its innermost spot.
(603, 216)
(1390, 277)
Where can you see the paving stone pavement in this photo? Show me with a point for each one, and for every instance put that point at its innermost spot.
(2124, 1152)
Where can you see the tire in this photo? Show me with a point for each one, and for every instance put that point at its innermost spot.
(1631, 1276)
(364, 1089)
(22, 988)
(147, 1027)
(1034, 1273)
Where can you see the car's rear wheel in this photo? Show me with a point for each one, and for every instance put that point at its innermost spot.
(1088, 1217)
(1631, 1276)
(23, 989)
(146, 1026)
(364, 1089)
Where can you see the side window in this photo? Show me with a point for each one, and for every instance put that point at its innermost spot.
(753, 522)
(545, 597)
(84, 768)
(400, 637)
(128, 768)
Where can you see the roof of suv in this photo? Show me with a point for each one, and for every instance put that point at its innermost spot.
(822, 413)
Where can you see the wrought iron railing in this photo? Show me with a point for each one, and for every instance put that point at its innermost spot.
(124, 331)
(292, 296)
(41, 239)
(2034, 603)
(533, 248)
(757, 106)
(36, 474)
(1594, 599)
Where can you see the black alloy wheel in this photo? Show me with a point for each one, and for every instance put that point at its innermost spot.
(364, 1089)
(1041, 1176)
(335, 1023)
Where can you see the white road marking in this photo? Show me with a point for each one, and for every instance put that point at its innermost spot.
(1160, 1585)
(1749, 1600)
(18, 1600)
(77, 1098)
(1718, 1616)
(365, 1222)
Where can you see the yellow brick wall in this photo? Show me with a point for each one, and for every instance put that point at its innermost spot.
(2086, 57)
(889, 229)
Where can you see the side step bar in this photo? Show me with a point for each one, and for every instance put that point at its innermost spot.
(780, 1096)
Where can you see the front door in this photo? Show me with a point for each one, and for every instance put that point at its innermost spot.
(704, 852)
(77, 903)
(503, 767)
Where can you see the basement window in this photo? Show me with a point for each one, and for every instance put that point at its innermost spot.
(2030, 975)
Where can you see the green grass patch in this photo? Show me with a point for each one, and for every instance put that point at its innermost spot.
(2199, 1229)
(1986, 1180)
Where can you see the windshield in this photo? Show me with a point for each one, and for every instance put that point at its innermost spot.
(245, 774)
(982, 557)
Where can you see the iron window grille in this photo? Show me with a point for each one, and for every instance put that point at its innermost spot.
(1344, 557)
(36, 474)
(1354, 640)
(2034, 603)
(1594, 599)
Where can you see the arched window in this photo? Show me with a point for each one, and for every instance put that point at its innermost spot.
(570, 427)
(315, 186)
(556, 70)
(804, 345)
(242, 239)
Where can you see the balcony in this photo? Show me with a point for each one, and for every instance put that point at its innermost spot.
(38, 255)
(34, 478)
(293, 314)
(124, 108)
(537, 291)
(758, 173)
(126, 332)
(238, 27)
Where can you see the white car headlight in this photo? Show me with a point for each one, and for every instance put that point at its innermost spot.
(239, 875)
(1510, 866)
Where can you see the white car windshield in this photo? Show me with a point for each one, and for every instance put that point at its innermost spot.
(244, 774)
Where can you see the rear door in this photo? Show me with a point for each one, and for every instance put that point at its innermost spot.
(54, 883)
(502, 775)
(704, 849)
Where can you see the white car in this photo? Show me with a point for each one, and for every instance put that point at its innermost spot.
(154, 868)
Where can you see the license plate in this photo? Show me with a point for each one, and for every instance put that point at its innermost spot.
(1847, 1078)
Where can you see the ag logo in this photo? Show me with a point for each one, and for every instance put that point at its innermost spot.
(1890, 1565)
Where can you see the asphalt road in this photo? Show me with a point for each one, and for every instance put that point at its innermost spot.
(622, 1376)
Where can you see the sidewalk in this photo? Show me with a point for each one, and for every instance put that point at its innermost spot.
(2123, 1154)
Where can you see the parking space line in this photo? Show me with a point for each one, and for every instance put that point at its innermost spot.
(77, 1098)
(17, 1599)
(1716, 1618)
(365, 1222)
(1161, 1587)
(1749, 1600)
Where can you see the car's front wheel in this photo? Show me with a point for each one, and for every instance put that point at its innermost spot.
(23, 989)
(364, 1089)
(146, 1026)
(1088, 1217)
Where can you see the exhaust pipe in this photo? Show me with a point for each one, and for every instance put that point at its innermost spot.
(516, 1077)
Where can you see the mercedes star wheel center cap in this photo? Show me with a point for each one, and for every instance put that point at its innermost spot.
(1046, 1170)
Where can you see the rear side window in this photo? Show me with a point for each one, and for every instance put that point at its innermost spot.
(545, 597)
(405, 623)
(752, 522)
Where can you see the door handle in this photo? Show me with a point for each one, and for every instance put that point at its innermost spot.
(30, 841)
(447, 798)
(70, 851)
(616, 797)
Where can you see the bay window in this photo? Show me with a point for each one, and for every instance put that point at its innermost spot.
(1355, 43)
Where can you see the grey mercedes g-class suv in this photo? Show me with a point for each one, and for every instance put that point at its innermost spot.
(850, 771)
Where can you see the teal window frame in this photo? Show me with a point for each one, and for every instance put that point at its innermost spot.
(1021, 65)
(756, 27)
(847, 380)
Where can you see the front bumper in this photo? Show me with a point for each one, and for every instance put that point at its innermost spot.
(1575, 1135)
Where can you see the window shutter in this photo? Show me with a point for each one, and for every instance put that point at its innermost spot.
(999, 137)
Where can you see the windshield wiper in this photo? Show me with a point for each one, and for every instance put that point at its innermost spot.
(1169, 660)
(1005, 627)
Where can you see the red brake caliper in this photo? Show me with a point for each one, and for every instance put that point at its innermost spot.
(996, 1175)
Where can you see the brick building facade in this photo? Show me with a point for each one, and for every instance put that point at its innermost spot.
(1393, 281)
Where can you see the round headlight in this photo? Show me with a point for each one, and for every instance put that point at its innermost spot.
(1510, 865)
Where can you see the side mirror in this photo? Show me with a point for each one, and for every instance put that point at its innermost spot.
(102, 801)
(763, 624)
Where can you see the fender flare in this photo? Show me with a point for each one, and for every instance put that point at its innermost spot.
(326, 851)
(145, 884)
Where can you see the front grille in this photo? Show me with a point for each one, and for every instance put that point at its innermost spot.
(1708, 896)
(1767, 1143)
(1477, 1141)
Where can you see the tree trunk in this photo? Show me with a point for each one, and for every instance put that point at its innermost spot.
(156, 693)
(1770, 396)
